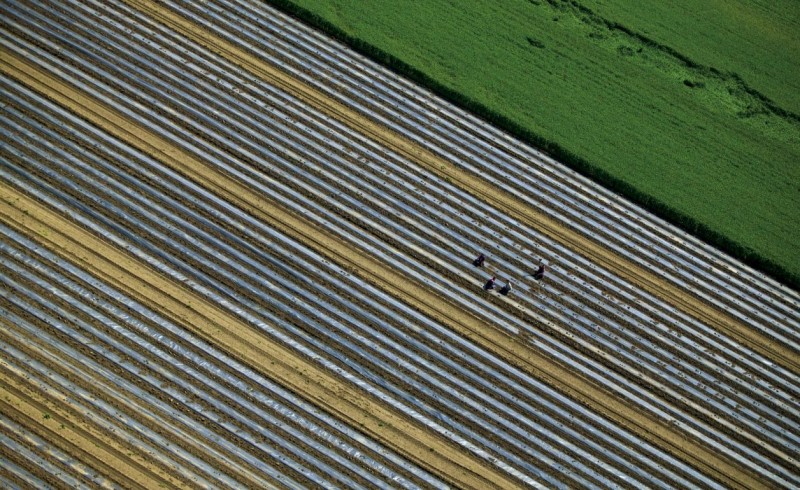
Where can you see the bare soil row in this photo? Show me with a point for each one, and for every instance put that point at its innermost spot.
(379, 333)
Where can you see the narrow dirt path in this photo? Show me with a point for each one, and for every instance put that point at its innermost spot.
(240, 340)
(592, 250)
(244, 342)
(56, 420)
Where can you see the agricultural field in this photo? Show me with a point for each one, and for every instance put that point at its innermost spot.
(236, 254)
(695, 108)
(752, 39)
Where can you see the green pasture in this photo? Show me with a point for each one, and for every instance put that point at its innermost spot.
(690, 108)
(757, 40)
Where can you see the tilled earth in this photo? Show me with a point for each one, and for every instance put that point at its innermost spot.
(235, 254)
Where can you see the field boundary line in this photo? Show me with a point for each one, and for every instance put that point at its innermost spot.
(369, 268)
(594, 251)
(245, 343)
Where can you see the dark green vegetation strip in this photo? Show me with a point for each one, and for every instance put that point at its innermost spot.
(623, 104)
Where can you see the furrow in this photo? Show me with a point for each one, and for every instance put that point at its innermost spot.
(679, 397)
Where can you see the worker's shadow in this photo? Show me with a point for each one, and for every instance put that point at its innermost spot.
(535, 275)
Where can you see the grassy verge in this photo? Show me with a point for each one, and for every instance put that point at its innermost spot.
(691, 142)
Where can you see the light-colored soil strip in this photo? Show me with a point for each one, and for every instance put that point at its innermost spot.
(244, 342)
(68, 366)
(235, 336)
(594, 251)
(65, 427)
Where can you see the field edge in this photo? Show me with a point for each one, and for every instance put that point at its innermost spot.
(553, 149)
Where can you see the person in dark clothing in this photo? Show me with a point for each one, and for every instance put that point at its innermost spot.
(539, 274)
(506, 289)
(489, 284)
(479, 261)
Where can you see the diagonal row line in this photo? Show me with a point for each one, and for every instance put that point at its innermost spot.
(242, 341)
(594, 251)
(56, 420)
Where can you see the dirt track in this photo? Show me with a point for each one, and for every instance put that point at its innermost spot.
(197, 233)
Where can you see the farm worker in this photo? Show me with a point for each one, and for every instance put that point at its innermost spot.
(507, 288)
(489, 284)
(479, 261)
(540, 271)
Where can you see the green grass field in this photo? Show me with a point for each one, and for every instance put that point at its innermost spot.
(694, 107)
